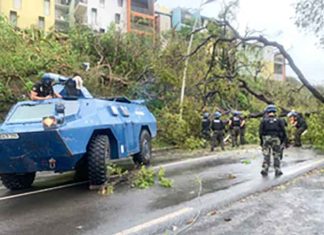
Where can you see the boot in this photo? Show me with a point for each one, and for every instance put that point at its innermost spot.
(278, 172)
(264, 172)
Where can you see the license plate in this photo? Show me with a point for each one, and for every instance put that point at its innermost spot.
(9, 136)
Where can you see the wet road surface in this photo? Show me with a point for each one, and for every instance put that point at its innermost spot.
(294, 208)
(199, 185)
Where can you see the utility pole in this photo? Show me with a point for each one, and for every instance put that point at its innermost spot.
(184, 77)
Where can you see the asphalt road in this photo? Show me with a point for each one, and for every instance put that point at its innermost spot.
(293, 208)
(200, 185)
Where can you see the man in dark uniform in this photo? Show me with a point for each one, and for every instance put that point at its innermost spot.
(235, 126)
(272, 135)
(43, 90)
(299, 122)
(218, 128)
(205, 126)
(242, 130)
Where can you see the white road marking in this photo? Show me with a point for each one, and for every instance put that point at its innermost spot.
(155, 222)
(41, 191)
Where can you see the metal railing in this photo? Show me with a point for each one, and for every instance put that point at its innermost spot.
(63, 2)
(81, 1)
(61, 16)
(141, 27)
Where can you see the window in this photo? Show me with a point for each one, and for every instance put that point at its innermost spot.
(93, 16)
(47, 7)
(102, 3)
(17, 4)
(35, 113)
(13, 18)
(120, 3)
(65, 2)
(101, 30)
(278, 69)
(141, 4)
(31, 113)
(41, 23)
(117, 18)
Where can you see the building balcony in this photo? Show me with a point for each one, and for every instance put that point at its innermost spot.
(62, 5)
(144, 11)
(62, 24)
(81, 7)
(81, 19)
(145, 7)
(62, 19)
(142, 28)
(61, 27)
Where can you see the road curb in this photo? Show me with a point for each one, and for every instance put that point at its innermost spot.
(211, 202)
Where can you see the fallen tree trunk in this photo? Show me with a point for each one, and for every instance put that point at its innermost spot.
(282, 51)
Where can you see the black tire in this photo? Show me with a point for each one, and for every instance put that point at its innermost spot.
(81, 170)
(18, 181)
(98, 157)
(145, 155)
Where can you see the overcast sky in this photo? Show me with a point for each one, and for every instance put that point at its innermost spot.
(275, 19)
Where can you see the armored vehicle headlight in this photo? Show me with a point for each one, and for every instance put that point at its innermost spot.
(49, 122)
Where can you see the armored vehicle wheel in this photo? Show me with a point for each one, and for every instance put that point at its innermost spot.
(18, 181)
(81, 170)
(145, 154)
(98, 156)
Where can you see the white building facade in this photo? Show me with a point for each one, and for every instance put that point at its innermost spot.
(127, 15)
(101, 14)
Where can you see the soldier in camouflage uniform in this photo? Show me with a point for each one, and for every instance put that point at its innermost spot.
(272, 135)
(235, 127)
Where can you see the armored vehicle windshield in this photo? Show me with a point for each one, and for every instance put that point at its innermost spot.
(36, 112)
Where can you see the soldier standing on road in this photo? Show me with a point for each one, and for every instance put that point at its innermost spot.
(205, 127)
(218, 128)
(235, 126)
(43, 90)
(272, 136)
(299, 122)
(242, 131)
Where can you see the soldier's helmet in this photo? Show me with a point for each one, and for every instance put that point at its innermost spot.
(206, 115)
(292, 114)
(271, 109)
(217, 115)
(236, 113)
(47, 80)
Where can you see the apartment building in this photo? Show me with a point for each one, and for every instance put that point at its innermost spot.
(141, 16)
(63, 14)
(22, 14)
(100, 14)
(184, 18)
(127, 15)
(163, 18)
(274, 64)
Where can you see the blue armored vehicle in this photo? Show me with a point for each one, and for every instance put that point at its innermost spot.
(77, 132)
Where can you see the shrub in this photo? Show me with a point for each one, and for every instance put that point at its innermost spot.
(315, 132)
(252, 131)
